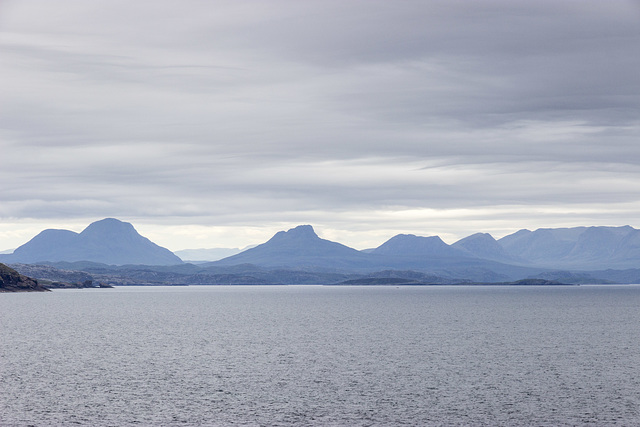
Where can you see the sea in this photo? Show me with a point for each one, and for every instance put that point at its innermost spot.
(321, 356)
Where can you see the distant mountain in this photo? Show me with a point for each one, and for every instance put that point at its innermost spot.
(541, 245)
(483, 245)
(411, 246)
(300, 247)
(407, 251)
(586, 248)
(108, 241)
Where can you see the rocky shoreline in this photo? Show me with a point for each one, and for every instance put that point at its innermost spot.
(12, 281)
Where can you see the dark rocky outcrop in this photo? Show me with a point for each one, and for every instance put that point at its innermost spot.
(12, 281)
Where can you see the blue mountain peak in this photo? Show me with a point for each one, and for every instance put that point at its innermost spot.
(300, 232)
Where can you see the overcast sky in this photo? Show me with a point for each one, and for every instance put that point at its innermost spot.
(218, 123)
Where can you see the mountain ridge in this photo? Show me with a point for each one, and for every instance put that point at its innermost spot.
(483, 245)
(591, 248)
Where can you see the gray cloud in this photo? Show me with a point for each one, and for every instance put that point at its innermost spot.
(420, 117)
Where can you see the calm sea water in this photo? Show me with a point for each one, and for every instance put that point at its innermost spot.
(310, 355)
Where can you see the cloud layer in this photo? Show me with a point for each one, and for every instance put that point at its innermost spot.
(366, 119)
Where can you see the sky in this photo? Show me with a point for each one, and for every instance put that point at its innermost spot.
(218, 123)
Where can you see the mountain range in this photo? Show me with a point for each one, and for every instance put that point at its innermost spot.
(587, 248)
(300, 255)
